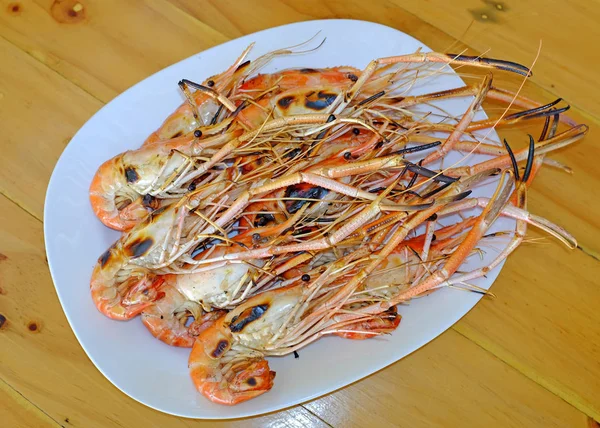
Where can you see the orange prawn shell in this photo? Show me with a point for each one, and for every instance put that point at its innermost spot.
(252, 380)
(302, 77)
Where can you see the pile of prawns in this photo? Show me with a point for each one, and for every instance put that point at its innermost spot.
(270, 210)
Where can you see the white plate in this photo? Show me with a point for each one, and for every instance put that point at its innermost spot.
(145, 368)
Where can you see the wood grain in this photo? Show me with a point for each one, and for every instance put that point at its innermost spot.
(113, 45)
(452, 372)
(17, 412)
(455, 383)
(44, 357)
(39, 113)
(543, 323)
(568, 31)
(561, 320)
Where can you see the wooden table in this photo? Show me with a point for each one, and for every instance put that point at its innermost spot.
(529, 357)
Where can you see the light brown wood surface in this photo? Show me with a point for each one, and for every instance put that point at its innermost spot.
(529, 357)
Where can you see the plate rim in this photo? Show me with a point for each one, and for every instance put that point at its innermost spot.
(88, 353)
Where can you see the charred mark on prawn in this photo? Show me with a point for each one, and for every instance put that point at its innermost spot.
(285, 102)
(220, 349)
(302, 191)
(353, 77)
(322, 101)
(249, 315)
(179, 134)
(139, 247)
(104, 258)
(149, 201)
(308, 70)
(251, 381)
(131, 174)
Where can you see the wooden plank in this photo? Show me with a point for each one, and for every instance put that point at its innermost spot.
(449, 382)
(544, 321)
(455, 370)
(555, 195)
(34, 122)
(108, 45)
(513, 29)
(39, 113)
(17, 412)
(41, 356)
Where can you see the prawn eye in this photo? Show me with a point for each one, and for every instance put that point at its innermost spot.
(263, 219)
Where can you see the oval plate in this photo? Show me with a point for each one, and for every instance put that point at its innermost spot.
(145, 368)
